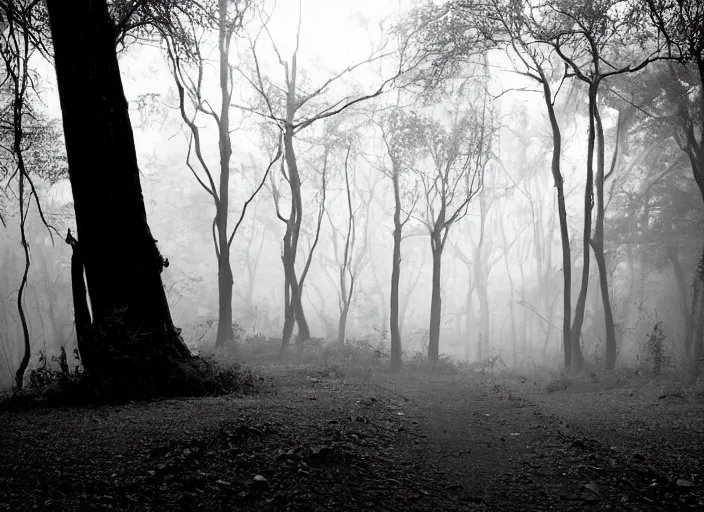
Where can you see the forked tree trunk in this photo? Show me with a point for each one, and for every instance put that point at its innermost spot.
(598, 243)
(122, 263)
(576, 359)
(293, 230)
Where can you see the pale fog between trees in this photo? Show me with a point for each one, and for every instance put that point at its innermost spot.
(492, 182)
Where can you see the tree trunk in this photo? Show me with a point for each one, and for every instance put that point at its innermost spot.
(483, 347)
(395, 278)
(697, 316)
(19, 375)
(468, 314)
(598, 242)
(289, 319)
(293, 230)
(564, 229)
(435, 302)
(511, 293)
(225, 335)
(682, 288)
(80, 302)
(481, 280)
(122, 263)
(576, 359)
(342, 325)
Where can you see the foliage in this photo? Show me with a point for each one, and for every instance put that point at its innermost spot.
(654, 358)
(46, 373)
(52, 387)
(141, 371)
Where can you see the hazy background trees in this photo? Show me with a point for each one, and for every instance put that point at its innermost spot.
(426, 178)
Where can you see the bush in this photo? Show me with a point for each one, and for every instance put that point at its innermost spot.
(200, 376)
(445, 365)
(653, 352)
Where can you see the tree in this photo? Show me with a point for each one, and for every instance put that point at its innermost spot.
(294, 107)
(681, 24)
(534, 61)
(30, 143)
(349, 259)
(15, 51)
(184, 50)
(589, 40)
(117, 250)
(457, 158)
(293, 313)
(402, 133)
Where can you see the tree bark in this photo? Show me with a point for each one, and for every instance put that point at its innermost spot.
(511, 293)
(468, 315)
(80, 301)
(122, 263)
(481, 283)
(564, 229)
(576, 359)
(395, 277)
(342, 325)
(435, 301)
(293, 230)
(598, 241)
(225, 335)
(672, 253)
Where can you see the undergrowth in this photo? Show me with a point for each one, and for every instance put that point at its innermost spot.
(52, 384)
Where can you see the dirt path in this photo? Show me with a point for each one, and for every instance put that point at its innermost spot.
(312, 440)
(514, 450)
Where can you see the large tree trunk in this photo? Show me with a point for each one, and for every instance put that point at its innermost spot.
(598, 243)
(395, 278)
(435, 301)
(122, 263)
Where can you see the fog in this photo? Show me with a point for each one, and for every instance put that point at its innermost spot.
(501, 283)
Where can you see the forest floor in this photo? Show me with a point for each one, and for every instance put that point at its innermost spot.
(315, 438)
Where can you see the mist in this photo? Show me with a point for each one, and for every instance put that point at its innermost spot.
(500, 192)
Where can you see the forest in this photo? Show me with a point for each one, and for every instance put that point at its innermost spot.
(410, 223)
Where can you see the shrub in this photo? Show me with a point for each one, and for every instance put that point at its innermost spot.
(653, 351)
(200, 376)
